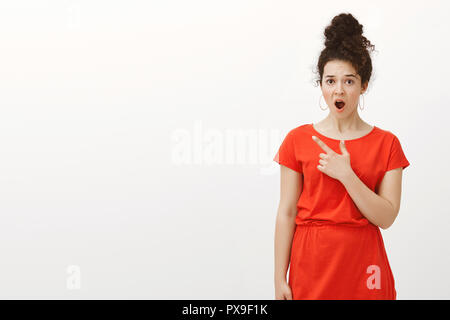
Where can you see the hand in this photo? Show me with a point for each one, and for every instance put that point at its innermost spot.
(282, 291)
(334, 164)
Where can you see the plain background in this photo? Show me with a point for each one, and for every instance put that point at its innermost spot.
(137, 138)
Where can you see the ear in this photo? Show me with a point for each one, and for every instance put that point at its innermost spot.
(364, 87)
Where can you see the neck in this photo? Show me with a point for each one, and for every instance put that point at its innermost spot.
(351, 123)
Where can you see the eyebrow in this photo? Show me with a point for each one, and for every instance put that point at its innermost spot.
(347, 75)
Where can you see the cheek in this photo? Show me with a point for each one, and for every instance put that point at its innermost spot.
(355, 98)
(327, 93)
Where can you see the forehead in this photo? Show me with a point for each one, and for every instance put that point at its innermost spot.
(338, 68)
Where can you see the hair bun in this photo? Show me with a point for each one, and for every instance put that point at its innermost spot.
(344, 28)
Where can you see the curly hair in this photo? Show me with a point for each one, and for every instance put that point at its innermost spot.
(344, 41)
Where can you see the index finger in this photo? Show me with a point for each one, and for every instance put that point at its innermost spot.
(322, 144)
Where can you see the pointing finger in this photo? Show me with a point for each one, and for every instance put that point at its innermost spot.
(322, 144)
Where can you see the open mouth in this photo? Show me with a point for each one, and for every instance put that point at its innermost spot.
(339, 104)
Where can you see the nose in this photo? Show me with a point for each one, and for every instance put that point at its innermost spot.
(339, 88)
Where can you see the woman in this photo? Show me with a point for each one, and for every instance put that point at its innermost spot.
(340, 182)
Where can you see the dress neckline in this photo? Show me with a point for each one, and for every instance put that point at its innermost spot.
(323, 136)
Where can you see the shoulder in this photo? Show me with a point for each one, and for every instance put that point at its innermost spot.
(388, 141)
(300, 131)
(385, 135)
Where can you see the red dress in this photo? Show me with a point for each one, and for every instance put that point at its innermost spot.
(336, 252)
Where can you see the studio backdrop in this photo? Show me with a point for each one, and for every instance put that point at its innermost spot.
(137, 141)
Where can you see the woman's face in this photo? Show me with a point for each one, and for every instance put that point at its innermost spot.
(340, 82)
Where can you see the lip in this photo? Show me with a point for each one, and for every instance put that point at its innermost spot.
(341, 109)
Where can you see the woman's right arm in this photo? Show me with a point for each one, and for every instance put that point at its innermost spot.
(291, 187)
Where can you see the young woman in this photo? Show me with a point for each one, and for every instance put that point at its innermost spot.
(340, 182)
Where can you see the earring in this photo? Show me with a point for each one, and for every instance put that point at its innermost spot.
(364, 102)
(319, 103)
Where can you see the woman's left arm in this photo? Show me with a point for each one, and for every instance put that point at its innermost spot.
(381, 209)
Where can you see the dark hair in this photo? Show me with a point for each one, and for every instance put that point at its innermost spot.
(344, 41)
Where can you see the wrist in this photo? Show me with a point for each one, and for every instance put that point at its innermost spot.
(348, 176)
(280, 278)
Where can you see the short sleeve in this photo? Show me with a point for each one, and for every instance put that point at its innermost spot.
(286, 154)
(397, 157)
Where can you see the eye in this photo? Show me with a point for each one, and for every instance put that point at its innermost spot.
(351, 81)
